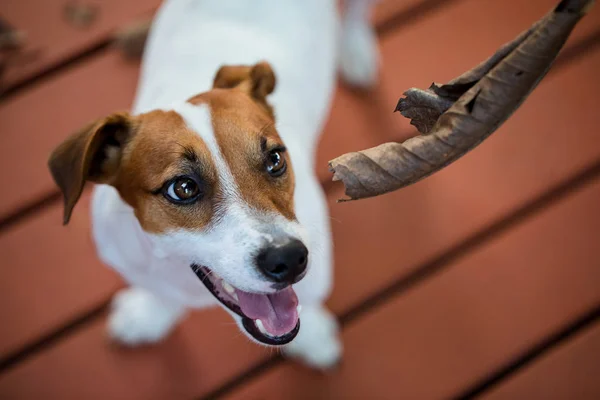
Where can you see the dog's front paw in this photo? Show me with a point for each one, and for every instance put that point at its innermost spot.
(318, 343)
(359, 55)
(139, 317)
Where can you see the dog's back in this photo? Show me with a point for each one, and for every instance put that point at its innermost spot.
(191, 39)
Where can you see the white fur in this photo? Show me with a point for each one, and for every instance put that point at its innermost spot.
(189, 41)
(318, 344)
(359, 53)
(139, 317)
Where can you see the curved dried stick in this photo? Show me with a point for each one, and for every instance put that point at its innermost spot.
(455, 117)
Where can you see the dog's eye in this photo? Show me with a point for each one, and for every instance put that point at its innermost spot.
(182, 190)
(275, 163)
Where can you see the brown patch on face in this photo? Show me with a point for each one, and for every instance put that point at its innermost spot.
(240, 125)
(140, 156)
(162, 149)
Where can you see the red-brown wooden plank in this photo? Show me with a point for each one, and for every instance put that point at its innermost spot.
(55, 39)
(469, 320)
(386, 10)
(569, 371)
(202, 353)
(48, 276)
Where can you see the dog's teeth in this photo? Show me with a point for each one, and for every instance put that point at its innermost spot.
(228, 288)
(261, 327)
(299, 308)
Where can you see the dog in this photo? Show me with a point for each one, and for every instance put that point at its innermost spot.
(205, 194)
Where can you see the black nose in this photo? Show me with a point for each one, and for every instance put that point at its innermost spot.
(284, 263)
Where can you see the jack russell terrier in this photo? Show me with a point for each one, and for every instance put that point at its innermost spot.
(206, 193)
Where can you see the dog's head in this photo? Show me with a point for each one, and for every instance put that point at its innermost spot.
(212, 184)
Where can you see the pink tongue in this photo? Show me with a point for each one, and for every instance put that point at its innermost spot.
(277, 311)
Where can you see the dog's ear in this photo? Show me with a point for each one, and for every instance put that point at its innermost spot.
(257, 80)
(93, 153)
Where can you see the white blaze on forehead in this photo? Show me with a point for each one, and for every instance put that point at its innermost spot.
(198, 118)
(237, 211)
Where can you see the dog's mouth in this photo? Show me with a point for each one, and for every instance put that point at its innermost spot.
(271, 319)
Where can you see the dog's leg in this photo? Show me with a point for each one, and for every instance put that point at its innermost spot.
(359, 52)
(318, 343)
(138, 317)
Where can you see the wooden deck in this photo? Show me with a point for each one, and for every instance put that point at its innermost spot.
(480, 281)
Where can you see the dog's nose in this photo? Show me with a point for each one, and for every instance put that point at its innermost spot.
(284, 263)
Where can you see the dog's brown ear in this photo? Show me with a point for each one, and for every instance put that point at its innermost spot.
(93, 153)
(257, 80)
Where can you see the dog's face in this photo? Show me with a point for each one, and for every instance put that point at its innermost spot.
(213, 186)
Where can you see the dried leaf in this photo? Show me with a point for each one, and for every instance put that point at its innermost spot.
(80, 15)
(10, 38)
(456, 117)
